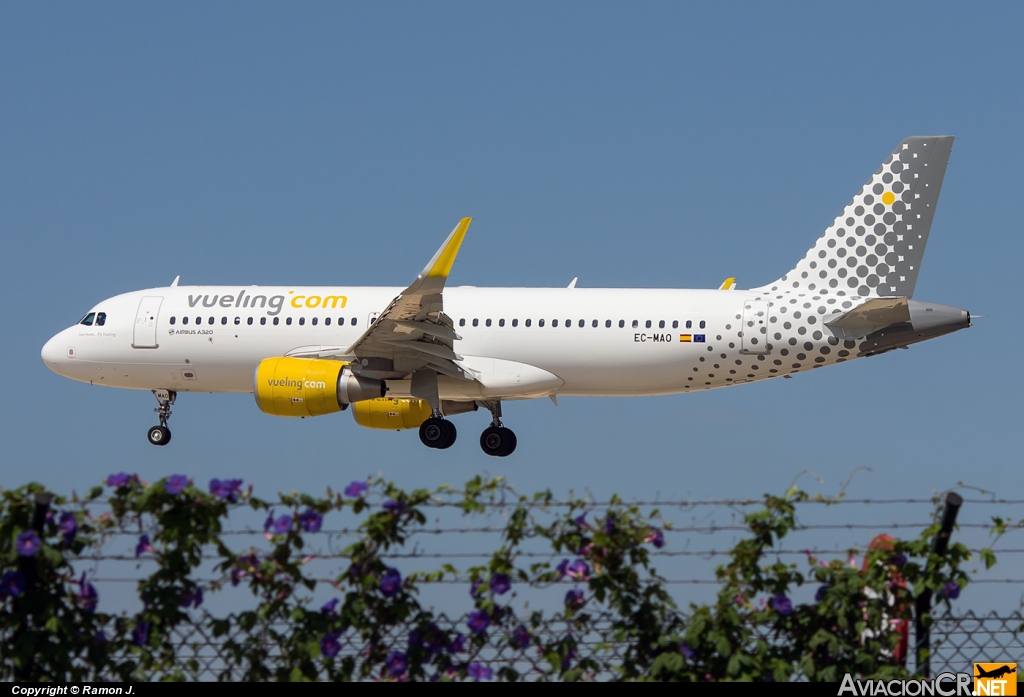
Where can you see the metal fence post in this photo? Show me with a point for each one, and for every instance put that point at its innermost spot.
(923, 609)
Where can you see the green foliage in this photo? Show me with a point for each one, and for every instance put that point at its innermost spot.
(50, 628)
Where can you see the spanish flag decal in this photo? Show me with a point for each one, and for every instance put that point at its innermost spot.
(686, 338)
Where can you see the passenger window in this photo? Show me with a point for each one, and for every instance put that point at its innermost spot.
(88, 319)
(277, 321)
(675, 324)
(622, 323)
(248, 321)
(583, 323)
(501, 323)
(476, 323)
(184, 320)
(648, 325)
(554, 322)
(172, 320)
(636, 324)
(288, 321)
(702, 324)
(355, 320)
(515, 323)
(488, 323)
(199, 320)
(327, 321)
(238, 320)
(540, 323)
(689, 324)
(302, 320)
(314, 321)
(528, 322)
(595, 323)
(213, 320)
(263, 320)
(223, 320)
(101, 319)
(462, 322)
(568, 323)
(607, 324)
(661, 324)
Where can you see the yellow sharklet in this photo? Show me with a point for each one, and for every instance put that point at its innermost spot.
(441, 265)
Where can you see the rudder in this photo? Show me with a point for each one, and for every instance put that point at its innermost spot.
(876, 246)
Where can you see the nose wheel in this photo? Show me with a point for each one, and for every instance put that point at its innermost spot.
(161, 435)
(438, 433)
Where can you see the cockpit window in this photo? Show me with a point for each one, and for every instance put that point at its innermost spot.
(87, 320)
(101, 319)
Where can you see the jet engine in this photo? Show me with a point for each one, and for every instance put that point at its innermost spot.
(400, 413)
(310, 387)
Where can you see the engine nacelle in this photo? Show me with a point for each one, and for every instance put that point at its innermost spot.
(400, 413)
(310, 387)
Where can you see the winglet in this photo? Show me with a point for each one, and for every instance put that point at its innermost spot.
(440, 265)
(728, 284)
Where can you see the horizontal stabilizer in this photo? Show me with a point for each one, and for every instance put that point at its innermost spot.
(728, 284)
(869, 316)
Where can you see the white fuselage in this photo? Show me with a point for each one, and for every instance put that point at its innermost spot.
(211, 338)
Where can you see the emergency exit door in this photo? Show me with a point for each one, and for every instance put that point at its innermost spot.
(145, 323)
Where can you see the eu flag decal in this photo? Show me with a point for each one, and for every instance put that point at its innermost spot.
(698, 338)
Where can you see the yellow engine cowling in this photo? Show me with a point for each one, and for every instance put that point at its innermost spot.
(393, 414)
(309, 387)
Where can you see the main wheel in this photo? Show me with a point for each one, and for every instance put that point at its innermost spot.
(159, 435)
(497, 441)
(452, 434)
(434, 433)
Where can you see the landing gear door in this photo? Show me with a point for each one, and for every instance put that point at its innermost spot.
(145, 323)
(755, 326)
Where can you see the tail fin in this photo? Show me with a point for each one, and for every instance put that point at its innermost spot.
(875, 247)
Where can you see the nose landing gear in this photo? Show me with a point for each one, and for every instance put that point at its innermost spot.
(161, 435)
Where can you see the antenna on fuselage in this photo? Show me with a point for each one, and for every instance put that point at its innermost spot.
(174, 283)
(572, 283)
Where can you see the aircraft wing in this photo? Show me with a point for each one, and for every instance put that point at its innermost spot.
(413, 332)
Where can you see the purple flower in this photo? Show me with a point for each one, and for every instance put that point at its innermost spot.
(356, 489)
(329, 645)
(12, 584)
(458, 644)
(609, 523)
(329, 606)
(578, 570)
(581, 520)
(478, 622)
(521, 636)
(951, 590)
(478, 671)
(500, 584)
(656, 537)
(140, 635)
(269, 522)
(782, 604)
(390, 583)
(396, 663)
(900, 560)
(28, 543)
(574, 599)
(119, 480)
(562, 569)
(69, 526)
(474, 590)
(143, 547)
(192, 598)
(393, 507)
(311, 521)
(687, 652)
(228, 489)
(175, 483)
(282, 525)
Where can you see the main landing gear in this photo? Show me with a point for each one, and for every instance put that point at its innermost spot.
(496, 440)
(437, 432)
(161, 435)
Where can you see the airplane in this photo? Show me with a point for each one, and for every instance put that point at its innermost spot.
(412, 358)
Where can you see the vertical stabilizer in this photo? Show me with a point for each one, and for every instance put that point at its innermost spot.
(876, 246)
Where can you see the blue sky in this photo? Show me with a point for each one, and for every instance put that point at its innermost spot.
(653, 145)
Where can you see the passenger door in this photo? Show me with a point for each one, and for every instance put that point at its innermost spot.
(145, 323)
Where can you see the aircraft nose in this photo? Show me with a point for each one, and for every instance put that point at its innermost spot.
(52, 354)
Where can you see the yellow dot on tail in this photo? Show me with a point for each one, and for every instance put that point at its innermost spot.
(888, 197)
